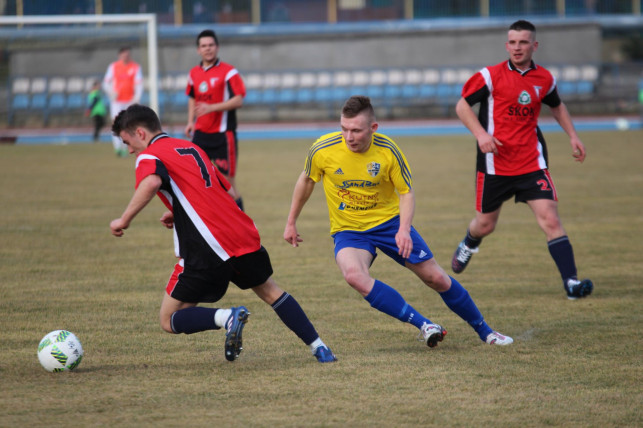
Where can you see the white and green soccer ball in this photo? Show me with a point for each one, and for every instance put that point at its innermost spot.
(59, 351)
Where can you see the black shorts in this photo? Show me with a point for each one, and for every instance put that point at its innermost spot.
(210, 285)
(493, 190)
(221, 148)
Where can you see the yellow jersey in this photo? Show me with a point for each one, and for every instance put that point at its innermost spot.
(360, 188)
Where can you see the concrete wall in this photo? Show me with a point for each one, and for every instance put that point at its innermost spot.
(386, 47)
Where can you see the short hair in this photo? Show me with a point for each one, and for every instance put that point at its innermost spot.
(134, 116)
(124, 49)
(207, 33)
(356, 105)
(523, 25)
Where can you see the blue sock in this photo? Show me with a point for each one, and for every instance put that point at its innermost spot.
(386, 299)
(458, 300)
(563, 254)
(193, 320)
(295, 318)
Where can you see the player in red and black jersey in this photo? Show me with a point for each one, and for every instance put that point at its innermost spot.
(512, 155)
(215, 241)
(215, 90)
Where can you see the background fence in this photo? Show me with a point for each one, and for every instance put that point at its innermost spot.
(179, 12)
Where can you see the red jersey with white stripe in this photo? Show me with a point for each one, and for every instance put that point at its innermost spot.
(209, 227)
(215, 84)
(510, 102)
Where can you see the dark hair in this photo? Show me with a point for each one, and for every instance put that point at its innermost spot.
(124, 48)
(134, 116)
(523, 25)
(207, 33)
(356, 105)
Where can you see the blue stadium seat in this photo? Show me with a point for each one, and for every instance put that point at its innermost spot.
(375, 91)
(323, 94)
(287, 95)
(392, 91)
(566, 88)
(253, 96)
(410, 91)
(270, 96)
(585, 87)
(305, 95)
(340, 93)
(427, 91)
(358, 90)
(75, 101)
(39, 101)
(179, 99)
(57, 101)
(20, 101)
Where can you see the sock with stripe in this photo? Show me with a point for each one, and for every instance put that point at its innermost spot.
(472, 242)
(193, 320)
(563, 254)
(291, 314)
(386, 299)
(457, 299)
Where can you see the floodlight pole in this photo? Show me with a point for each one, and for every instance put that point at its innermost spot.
(152, 37)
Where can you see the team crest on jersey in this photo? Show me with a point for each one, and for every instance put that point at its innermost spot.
(203, 87)
(373, 169)
(537, 89)
(524, 98)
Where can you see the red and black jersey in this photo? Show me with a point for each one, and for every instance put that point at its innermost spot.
(215, 84)
(209, 227)
(510, 102)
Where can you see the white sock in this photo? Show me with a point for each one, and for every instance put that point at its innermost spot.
(221, 316)
(316, 344)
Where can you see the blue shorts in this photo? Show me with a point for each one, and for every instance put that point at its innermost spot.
(383, 237)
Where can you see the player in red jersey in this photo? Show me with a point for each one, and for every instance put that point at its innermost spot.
(214, 240)
(512, 155)
(215, 90)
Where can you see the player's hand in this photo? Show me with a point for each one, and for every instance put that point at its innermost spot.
(167, 219)
(489, 144)
(404, 243)
(188, 130)
(578, 152)
(202, 108)
(118, 226)
(291, 236)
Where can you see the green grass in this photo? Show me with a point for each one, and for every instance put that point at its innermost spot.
(572, 363)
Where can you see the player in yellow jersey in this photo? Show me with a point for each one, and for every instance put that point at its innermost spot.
(368, 187)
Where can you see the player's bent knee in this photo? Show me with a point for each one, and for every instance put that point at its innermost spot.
(166, 325)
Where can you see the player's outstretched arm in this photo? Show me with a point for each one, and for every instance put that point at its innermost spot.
(144, 193)
(303, 189)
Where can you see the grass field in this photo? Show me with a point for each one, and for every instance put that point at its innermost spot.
(573, 363)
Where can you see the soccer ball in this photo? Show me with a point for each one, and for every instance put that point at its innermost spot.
(60, 351)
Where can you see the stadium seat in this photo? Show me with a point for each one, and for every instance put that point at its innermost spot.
(375, 92)
(305, 95)
(287, 96)
(179, 99)
(57, 101)
(75, 101)
(270, 96)
(585, 87)
(20, 101)
(323, 94)
(39, 101)
(253, 96)
(427, 91)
